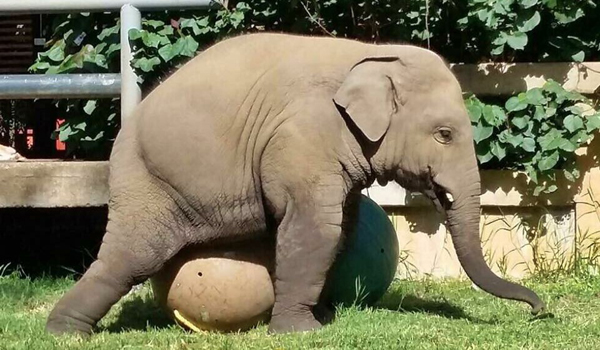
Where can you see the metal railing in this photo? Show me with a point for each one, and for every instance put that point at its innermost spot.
(27, 86)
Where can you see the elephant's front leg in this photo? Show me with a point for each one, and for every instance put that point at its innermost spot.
(307, 242)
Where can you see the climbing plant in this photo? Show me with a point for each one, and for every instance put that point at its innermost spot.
(537, 131)
(461, 31)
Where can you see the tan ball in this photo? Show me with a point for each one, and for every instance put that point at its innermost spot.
(219, 289)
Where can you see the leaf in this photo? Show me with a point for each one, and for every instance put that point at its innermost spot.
(95, 138)
(517, 40)
(528, 144)
(499, 8)
(190, 23)
(514, 140)
(236, 18)
(550, 111)
(146, 64)
(525, 24)
(552, 86)
(166, 31)
(79, 126)
(482, 132)
(474, 109)
(580, 137)
(531, 172)
(573, 123)
(185, 46)
(535, 97)
(528, 3)
(548, 162)
(574, 109)
(498, 150)
(551, 188)
(567, 145)
(498, 50)
(57, 52)
(189, 46)
(538, 189)
(539, 114)
(39, 66)
(107, 32)
(578, 56)
(154, 40)
(154, 23)
(520, 121)
(572, 173)
(483, 15)
(69, 64)
(484, 153)
(135, 34)
(515, 104)
(112, 49)
(592, 123)
(90, 107)
(167, 52)
(551, 140)
(499, 114)
(488, 115)
(64, 133)
(148, 39)
(500, 39)
(571, 15)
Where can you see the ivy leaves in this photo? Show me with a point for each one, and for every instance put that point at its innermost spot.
(469, 31)
(84, 43)
(504, 27)
(165, 42)
(537, 131)
(506, 21)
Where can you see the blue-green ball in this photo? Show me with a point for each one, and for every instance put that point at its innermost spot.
(366, 265)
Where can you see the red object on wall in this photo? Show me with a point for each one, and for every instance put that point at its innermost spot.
(29, 139)
(60, 146)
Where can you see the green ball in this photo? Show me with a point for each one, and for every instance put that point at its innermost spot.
(366, 266)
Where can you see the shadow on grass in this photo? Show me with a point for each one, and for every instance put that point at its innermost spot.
(141, 312)
(411, 303)
(138, 313)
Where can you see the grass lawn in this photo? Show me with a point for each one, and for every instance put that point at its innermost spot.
(414, 315)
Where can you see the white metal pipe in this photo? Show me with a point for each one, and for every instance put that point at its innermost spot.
(57, 6)
(50, 86)
(131, 94)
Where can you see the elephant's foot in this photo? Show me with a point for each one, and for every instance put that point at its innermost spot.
(293, 320)
(87, 301)
(59, 324)
(290, 323)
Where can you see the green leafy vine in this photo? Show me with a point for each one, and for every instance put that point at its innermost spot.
(536, 131)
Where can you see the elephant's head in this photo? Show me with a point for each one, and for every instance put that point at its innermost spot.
(409, 107)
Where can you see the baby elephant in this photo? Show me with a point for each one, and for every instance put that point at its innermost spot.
(270, 133)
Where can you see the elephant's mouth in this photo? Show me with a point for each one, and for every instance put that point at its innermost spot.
(442, 198)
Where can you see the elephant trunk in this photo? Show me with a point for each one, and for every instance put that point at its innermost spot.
(463, 217)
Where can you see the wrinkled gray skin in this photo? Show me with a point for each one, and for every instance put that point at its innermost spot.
(270, 130)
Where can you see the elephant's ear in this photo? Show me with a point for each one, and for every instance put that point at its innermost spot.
(368, 96)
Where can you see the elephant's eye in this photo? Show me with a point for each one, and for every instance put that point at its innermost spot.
(443, 135)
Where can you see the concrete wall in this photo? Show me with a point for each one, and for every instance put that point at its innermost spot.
(520, 233)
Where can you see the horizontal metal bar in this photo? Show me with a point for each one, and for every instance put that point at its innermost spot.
(30, 86)
(58, 6)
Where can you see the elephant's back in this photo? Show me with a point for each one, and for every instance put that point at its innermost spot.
(201, 129)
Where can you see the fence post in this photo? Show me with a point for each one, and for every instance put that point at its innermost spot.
(131, 95)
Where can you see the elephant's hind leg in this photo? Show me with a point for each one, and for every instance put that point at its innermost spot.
(145, 230)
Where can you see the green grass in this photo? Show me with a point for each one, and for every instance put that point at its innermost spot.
(414, 315)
